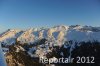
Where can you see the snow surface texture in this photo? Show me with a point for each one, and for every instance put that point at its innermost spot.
(55, 37)
(10, 36)
(57, 33)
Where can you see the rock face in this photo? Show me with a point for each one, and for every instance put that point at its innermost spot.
(18, 54)
(41, 34)
(26, 47)
(49, 33)
(58, 33)
(27, 36)
(20, 58)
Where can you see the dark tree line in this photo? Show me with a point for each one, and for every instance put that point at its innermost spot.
(86, 49)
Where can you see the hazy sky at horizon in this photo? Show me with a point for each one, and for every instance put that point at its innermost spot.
(38, 13)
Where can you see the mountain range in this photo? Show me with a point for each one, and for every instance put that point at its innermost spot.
(31, 44)
(57, 33)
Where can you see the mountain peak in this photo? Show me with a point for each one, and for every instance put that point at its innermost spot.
(57, 33)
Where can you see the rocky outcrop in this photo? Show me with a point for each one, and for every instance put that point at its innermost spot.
(20, 58)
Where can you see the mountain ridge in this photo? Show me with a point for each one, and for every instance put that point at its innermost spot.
(24, 48)
(58, 33)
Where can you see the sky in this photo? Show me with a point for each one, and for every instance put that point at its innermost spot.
(23, 14)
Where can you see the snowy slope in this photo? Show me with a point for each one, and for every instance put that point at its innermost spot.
(10, 36)
(57, 40)
(57, 33)
(82, 36)
(26, 37)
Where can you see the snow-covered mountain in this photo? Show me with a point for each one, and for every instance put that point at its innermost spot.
(26, 47)
(57, 33)
(10, 36)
